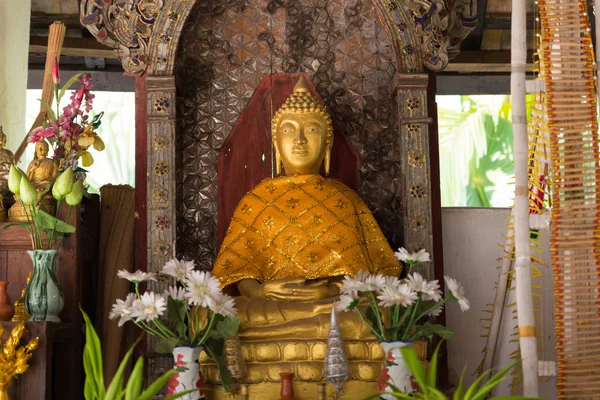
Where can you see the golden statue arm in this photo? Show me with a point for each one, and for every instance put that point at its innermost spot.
(288, 290)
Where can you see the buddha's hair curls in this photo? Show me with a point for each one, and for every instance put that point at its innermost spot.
(299, 102)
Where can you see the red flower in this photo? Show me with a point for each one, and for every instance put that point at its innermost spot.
(179, 362)
(385, 377)
(390, 357)
(55, 72)
(172, 384)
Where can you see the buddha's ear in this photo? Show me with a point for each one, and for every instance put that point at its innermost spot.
(277, 162)
(327, 161)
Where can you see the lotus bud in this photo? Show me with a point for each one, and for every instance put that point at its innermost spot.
(74, 197)
(55, 73)
(14, 179)
(63, 185)
(27, 192)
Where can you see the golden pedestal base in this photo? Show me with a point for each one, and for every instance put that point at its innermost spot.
(16, 213)
(266, 360)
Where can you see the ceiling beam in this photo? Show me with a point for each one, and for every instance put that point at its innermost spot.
(85, 47)
(484, 61)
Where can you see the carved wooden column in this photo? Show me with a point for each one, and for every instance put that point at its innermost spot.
(413, 128)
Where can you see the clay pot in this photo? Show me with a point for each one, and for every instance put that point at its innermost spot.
(7, 311)
(287, 388)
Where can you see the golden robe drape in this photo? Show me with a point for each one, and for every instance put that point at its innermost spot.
(302, 226)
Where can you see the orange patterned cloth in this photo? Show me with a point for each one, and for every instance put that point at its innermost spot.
(302, 226)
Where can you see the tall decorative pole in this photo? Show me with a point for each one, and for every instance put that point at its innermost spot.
(525, 315)
(336, 370)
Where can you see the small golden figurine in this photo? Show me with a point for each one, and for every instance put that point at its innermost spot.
(6, 160)
(21, 313)
(41, 172)
(13, 358)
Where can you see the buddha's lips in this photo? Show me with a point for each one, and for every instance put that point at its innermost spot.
(299, 151)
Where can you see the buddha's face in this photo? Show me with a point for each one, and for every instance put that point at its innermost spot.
(302, 142)
(41, 149)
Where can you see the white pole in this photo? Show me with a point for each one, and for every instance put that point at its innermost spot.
(527, 339)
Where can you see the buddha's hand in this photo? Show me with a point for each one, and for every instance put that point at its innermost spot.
(296, 290)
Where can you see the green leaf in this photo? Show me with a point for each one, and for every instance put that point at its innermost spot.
(414, 364)
(93, 354)
(67, 85)
(48, 222)
(166, 345)
(428, 330)
(134, 383)
(432, 371)
(21, 224)
(458, 393)
(50, 113)
(116, 385)
(176, 315)
(470, 392)
(214, 348)
(226, 328)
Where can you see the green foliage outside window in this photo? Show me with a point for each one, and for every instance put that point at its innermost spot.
(476, 150)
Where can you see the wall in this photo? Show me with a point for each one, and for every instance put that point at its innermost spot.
(14, 52)
(473, 239)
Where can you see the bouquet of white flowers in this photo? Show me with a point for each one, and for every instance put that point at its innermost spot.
(395, 306)
(198, 313)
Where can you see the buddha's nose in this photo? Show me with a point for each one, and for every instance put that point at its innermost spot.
(300, 138)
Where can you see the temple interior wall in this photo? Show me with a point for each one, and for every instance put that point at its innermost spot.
(473, 242)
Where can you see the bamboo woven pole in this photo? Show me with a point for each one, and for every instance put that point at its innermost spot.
(597, 18)
(525, 313)
(56, 36)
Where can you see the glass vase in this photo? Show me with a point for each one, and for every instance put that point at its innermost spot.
(43, 298)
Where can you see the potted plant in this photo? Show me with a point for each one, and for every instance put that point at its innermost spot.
(398, 311)
(95, 388)
(199, 316)
(70, 135)
(427, 382)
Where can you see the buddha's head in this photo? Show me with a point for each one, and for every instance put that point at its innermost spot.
(2, 138)
(41, 148)
(302, 133)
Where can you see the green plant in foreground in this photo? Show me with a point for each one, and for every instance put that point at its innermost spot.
(428, 381)
(94, 376)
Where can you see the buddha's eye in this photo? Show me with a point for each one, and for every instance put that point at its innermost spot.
(312, 128)
(288, 129)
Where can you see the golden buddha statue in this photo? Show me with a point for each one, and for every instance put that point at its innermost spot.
(290, 241)
(41, 171)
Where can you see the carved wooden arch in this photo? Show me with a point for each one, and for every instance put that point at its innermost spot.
(145, 35)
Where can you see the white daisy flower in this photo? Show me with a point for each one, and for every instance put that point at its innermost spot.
(148, 307)
(436, 311)
(347, 302)
(200, 286)
(222, 304)
(402, 295)
(374, 283)
(352, 286)
(457, 291)
(430, 290)
(137, 276)
(176, 293)
(392, 282)
(178, 269)
(122, 309)
(412, 258)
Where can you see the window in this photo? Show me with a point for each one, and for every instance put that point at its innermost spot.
(116, 164)
(476, 150)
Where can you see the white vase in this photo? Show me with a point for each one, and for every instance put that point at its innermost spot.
(186, 358)
(395, 371)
